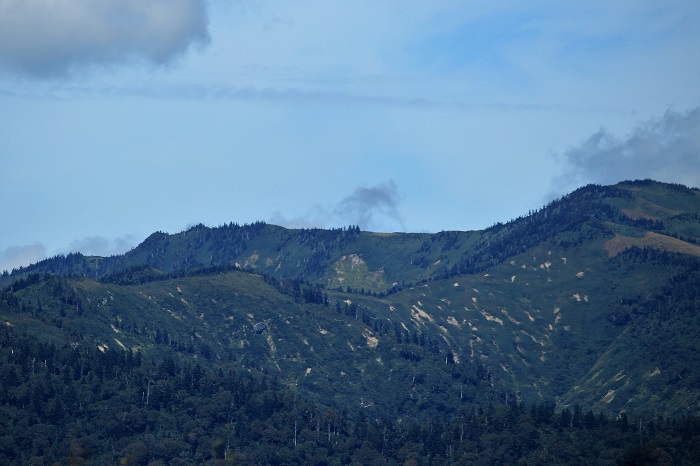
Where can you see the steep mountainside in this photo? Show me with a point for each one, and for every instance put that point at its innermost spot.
(592, 301)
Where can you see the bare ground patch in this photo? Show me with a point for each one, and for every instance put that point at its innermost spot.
(619, 243)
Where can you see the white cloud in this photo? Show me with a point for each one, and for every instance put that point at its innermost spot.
(21, 256)
(664, 149)
(52, 37)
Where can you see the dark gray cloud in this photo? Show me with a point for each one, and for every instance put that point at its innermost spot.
(373, 208)
(21, 256)
(370, 207)
(46, 38)
(664, 149)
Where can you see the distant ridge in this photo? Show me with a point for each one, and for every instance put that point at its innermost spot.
(398, 259)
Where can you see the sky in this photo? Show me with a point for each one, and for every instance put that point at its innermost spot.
(120, 118)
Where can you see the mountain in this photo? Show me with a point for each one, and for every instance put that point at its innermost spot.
(384, 262)
(590, 303)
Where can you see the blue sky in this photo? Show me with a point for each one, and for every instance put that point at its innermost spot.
(123, 117)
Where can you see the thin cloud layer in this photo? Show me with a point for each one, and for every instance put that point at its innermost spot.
(45, 38)
(20, 256)
(663, 149)
(101, 246)
(372, 208)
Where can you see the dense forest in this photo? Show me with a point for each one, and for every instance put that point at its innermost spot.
(81, 405)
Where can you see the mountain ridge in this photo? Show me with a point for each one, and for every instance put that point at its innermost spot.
(545, 308)
(307, 252)
(570, 335)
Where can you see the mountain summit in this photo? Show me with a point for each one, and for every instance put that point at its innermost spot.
(591, 301)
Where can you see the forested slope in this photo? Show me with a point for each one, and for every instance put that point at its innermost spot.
(570, 335)
(63, 404)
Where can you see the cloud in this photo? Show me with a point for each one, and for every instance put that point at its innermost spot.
(366, 204)
(21, 256)
(664, 149)
(101, 246)
(45, 38)
(317, 217)
(373, 208)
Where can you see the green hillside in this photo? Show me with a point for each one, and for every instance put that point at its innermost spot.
(540, 301)
(589, 304)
